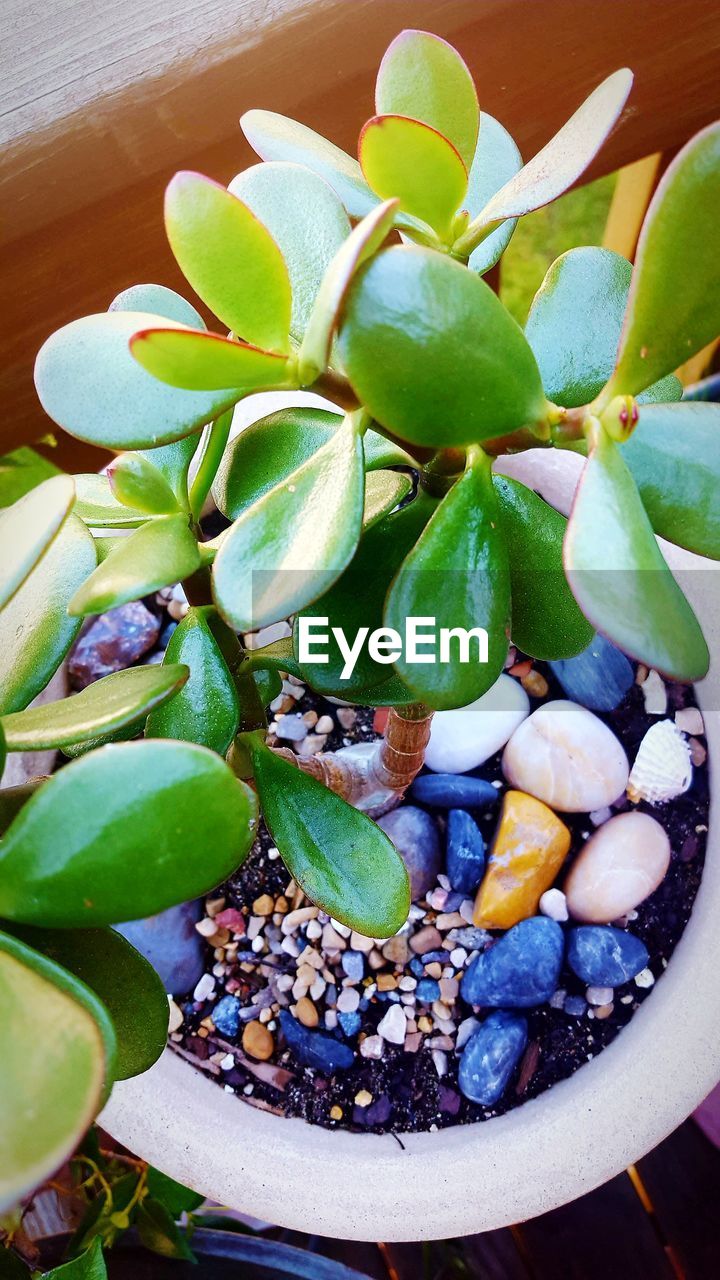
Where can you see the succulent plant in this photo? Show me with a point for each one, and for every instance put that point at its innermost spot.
(361, 281)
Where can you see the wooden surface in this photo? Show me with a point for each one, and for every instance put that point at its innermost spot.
(100, 103)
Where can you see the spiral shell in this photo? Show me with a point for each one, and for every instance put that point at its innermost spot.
(663, 767)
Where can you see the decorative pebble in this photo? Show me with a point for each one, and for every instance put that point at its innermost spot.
(529, 847)
(553, 903)
(348, 1000)
(576, 1006)
(654, 694)
(465, 853)
(371, 1047)
(353, 965)
(306, 1012)
(463, 739)
(520, 970)
(113, 641)
(226, 1016)
(453, 791)
(621, 864)
(392, 1026)
(291, 728)
(396, 949)
(257, 1041)
(415, 836)
(175, 1016)
(662, 768)
(605, 957)
(689, 720)
(427, 939)
(491, 1056)
(205, 988)
(645, 978)
(535, 684)
(314, 1048)
(350, 1023)
(598, 678)
(567, 757)
(427, 990)
(599, 995)
(170, 943)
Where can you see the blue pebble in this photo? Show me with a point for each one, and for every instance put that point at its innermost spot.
(350, 1023)
(436, 957)
(465, 855)
(605, 957)
(598, 678)
(353, 964)
(427, 990)
(417, 968)
(453, 791)
(520, 970)
(313, 1048)
(331, 995)
(226, 1016)
(491, 1056)
(415, 836)
(170, 942)
(576, 1006)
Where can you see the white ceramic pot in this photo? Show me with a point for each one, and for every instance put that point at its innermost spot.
(474, 1177)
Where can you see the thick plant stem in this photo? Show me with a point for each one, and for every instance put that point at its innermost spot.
(402, 750)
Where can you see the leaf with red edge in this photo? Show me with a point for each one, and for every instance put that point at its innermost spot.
(422, 76)
(408, 160)
(200, 361)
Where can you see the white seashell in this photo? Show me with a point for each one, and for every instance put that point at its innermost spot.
(663, 767)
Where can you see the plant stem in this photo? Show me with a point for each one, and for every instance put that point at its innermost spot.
(216, 440)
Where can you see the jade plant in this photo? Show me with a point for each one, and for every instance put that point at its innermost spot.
(361, 281)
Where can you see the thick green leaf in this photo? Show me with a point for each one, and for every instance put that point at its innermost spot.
(268, 684)
(20, 471)
(674, 456)
(205, 361)
(158, 554)
(618, 575)
(276, 137)
(113, 703)
(356, 600)
(123, 833)
(674, 304)
(406, 159)
(158, 300)
(575, 323)
(89, 1266)
(176, 1198)
(230, 259)
(47, 1098)
(424, 77)
(97, 506)
(129, 988)
(383, 491)
(27, 529)
(289, 547)
(137, 483)
(206, 709)
(546, 622)
(307, 221)
(173, 460)
(276, 656)
(159, 1232)
(338, 856)
(497, 160)
(90, 384)
(457, 575)
(35, 629)
(365, 240)
(436, 374)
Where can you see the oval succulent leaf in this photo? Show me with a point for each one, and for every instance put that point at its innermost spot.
(546, 621)
(97, 506)
(337, 855)
(52, 1095)
(35, 629)
(383, 491)
(674, 457)
(618, 575)
(230, 259)
(137, 483)
(28, 527)
(157, 300)
(424, 77)
(288, 547)
(207, 362)
(20, 471)
(307, 221)
(206, 709)
(436, 375)
(113, 703)
(575, 323)
(407, 160)
(173, 461)
(496, 160)
(674, 304)
(158, 554)
(73, 858)
(457, 575)
(90, 384)
(129, 988)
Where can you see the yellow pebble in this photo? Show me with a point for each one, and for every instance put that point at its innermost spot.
(336, 1113)
(263, 906)
(424, 1024)
(535, 684)
(386, 982)
(528, 850)
(363, 1098)
(257, 1041)
(306, 1012)
(282, 905)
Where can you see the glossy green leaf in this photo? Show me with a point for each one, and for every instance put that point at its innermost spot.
(365, 239)
(205, 361)
(137, 483)
(173, 460)
(48, 1098)
(307, 221)
(35, 629)
(337, 855)
(206, 709)
(618, 575)
(276, 656)
(158, 1231)
(77, 854)
(158, 554)
(129, 988)
(158, 300)
(496, 160)
(457, 575)
(27, 529)
(277, 137)
(230, 259)
(546, 622)
(97, 506)
(73, 750)
(289, 547)
(405, 159)
(575, 323)
(674, 304)
(674, 457)
(436, 374)
(176, 1198)
(269, 685)
(383, 491)
(90, 1265)
(356, 601)
(114, 702)
(90, 384)
(20, 471)
(424, 77)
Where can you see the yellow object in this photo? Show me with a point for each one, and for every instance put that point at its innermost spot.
(631, 197)
(528, 850)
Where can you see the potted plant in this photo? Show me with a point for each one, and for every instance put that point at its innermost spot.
(365, 524)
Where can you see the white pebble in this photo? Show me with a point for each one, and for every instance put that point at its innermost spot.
(273, 853)
(598, 816)
(458, 956)
(348, 1000)
(294, 919)
(407, 983)
(553, 904)
(557, 999)
(342, 929)
(392, 1026)
(645, 978)
(621, 865)
(205, 988)
(372, 1047)
(176, 1016)
(314, 930)
(325, 725)
(330, 1019)
(258, 945)
(290, 946)
(318, 988)
(440, 1062)
(358, 942)
(655, 694)
(567, 757)
(599, 995)
(467, 1027)
(228, 1062)
(690, 720)
(467, 907)
(463, 739)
